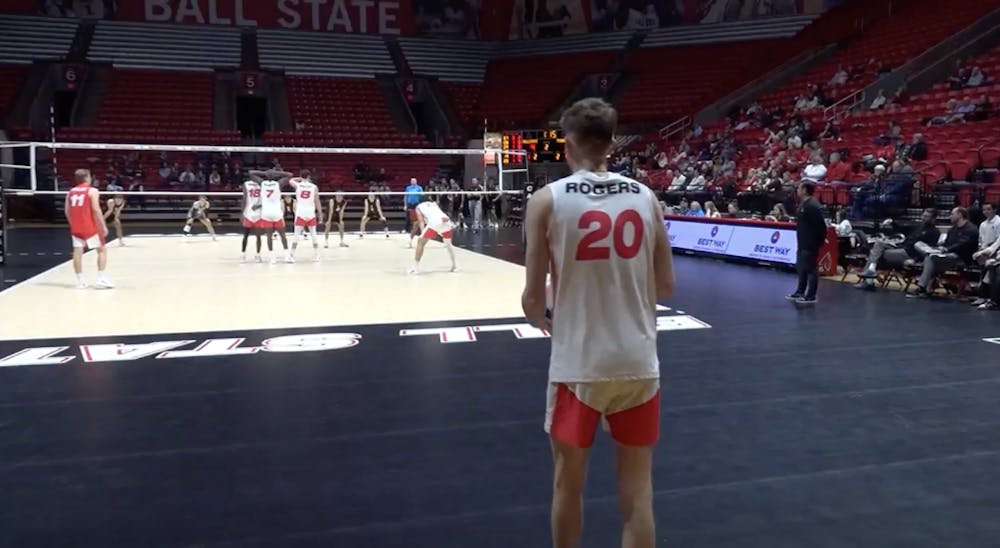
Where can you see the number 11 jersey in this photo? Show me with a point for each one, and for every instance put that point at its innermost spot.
(602, 236)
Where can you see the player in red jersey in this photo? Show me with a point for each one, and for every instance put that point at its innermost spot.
(87, 227)
(602, 238)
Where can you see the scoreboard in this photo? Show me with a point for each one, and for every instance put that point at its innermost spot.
(542, 145)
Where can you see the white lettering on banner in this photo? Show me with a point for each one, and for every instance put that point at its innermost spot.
(37, 356)
(241, 19)
(189, 8)
(293, 21)
(340, 17)
(311, 343)
(766, 243)
(125, 352)
(212, 347)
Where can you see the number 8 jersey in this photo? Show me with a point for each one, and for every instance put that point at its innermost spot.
(602, 236)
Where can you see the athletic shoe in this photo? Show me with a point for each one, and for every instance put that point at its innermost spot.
(980, 302)
(258, 259)
(326, 245)
(866, 273)
(412, 271)
(342, 244)
(274, 260)
(805, 301)
(81, 284)
(386, 234)
(289, 259)
(454, 268)
(243, 259)
(988, 305)
(920, 294)
(793, 297)
(104, 283)
(316, 258)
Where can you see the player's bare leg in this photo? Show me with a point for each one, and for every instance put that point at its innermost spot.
(414, 232)
(78, 267)
(103, 282)
(211, 230)
(270, 245)
(568, 481)
(119, 232)
(341, 226)
(296, 238)
(635, 496)
(284, 245)
(451, 253)
(315, 241)
(364, 223)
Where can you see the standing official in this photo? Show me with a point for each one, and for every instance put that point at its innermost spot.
(811, 229)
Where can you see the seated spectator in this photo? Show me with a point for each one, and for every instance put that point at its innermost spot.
(976, 78)
(982, 111)
(989, 244)
(841, 225)
(839, 77)
(830, 131)
(916, 151)
(899, 98)
(991, 289)
(815, 171)
(879, 102)
(961, 75)
(711, 211)
(898, 253)
(695, 210)
(956, 252)
(956, 112)
(778, 214)
(837, 171)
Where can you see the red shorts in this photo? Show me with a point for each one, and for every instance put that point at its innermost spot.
(631, 410)
(430, 234)
(247, 223)
(299, 221)
(267, 225)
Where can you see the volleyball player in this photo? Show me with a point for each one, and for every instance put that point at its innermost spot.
(272, 214)
(251, 217)
(373, 209)
(308, 208)
(199, 212)
(336, 209)
(115, 206)
(433, 223)
(603, 237)
(87, 228)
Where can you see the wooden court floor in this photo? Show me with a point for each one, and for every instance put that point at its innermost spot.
(406, 412)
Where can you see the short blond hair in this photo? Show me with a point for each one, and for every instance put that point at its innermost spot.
(81, 176)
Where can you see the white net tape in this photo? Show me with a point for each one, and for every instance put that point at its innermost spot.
(33, 163)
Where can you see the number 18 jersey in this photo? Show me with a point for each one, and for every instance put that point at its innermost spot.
(602, 235)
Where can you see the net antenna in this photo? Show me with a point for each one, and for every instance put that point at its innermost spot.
(34, 146)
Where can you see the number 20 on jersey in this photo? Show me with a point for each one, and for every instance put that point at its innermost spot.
(599, 225)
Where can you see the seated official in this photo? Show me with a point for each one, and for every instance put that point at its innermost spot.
(897, 253)
(957, 250)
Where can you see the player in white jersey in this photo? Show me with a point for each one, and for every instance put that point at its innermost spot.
(433, 223)
(272, 209)
(308, 208)
(602, 236)
(251, 217)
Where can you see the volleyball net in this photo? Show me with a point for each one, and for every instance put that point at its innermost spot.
(169, 170)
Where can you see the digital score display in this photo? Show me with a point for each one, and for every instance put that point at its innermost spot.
(541, 145)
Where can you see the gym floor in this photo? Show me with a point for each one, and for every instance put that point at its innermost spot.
(359, 407)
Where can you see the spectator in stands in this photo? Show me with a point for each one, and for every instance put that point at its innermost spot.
(916, 151)
(711, 211)
(956, 112)
(961, 75)
(830, 131)
(991, 289)
(695, 210)
(956, 252)
(795, 141)
(815, 171)
(983, 110)
(989, 244)
(976, 78)
(215, 179)
(778, 214)
(188, 179)
(900, 97)
(879, 102)
(842, 225)
(839, 77)
(838, 171)
(898, 253)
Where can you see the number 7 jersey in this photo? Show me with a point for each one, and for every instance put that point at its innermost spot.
(602, 236)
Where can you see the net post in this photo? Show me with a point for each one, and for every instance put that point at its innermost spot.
(499, 160)
(32, 155)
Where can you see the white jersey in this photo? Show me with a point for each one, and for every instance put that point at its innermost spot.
(305, 200)
(270, 201)
(251, 209)
(602, 235)
(433, 216)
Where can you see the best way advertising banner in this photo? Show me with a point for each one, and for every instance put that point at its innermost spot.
(745, 241)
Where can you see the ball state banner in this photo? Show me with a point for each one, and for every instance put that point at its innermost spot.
(754, 240)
